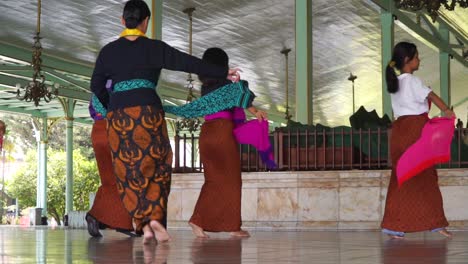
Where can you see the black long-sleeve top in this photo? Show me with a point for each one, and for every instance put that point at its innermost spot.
(143, 58)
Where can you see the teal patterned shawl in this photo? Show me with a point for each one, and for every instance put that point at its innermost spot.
(229, 96)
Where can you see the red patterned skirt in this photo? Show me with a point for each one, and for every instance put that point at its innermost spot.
(142, 159)
(218, 208)
(417, 204)
(107, 207)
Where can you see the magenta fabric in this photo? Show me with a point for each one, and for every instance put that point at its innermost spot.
(255, 133)
(431, 148)
(222, 114)
(238, 115)
(252, 132)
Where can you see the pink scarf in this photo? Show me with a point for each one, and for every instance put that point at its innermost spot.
(251, 132)
(431, 148)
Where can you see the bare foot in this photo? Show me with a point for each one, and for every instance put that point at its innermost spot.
(241, 233)
(198, 231)
(159, 231)
(148, 235)
(396, 237)
(445, 233)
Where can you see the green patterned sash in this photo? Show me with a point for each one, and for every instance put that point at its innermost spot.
(133, 84)
(229, 96)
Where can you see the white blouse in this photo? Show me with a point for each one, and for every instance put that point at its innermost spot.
(411, 98)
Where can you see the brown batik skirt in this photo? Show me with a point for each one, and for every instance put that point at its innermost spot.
(417, 204)
(218, 208)
(142, 159)
(107, 207)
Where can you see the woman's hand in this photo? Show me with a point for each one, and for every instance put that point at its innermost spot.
(234, 75)
(449, 113)
(261, 115)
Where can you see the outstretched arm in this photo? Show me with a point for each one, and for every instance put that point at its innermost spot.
(174, 59)
(441, 104)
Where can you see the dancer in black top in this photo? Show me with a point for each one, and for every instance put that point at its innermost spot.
(137, 133)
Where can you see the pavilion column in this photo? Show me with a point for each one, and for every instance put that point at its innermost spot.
(43, 174)
(304, 84)
(69, 149)
(155, 25)
(444, 61)
(41, 132)
(69, 107)
(387, 42)
(37, 133)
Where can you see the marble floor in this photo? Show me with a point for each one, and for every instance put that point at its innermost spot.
(47, 245)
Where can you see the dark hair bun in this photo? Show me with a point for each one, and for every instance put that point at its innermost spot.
(135, 12)
(216, 56)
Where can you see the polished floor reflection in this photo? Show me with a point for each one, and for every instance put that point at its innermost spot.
(46, 245)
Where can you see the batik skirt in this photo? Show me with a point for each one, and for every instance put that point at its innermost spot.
(142, 159)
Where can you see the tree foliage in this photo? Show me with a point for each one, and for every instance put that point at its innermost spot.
(86, 180)
(20, 137)
(23, 184)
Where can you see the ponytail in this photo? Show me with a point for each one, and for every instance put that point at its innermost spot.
(391, 78)
(401, 51)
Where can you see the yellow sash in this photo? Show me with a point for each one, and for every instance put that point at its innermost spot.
(132, 32)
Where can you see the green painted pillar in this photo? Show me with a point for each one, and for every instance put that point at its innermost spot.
(69, 182)
(444, 61)
(37, 133)
(149, 31)
(69, 107)
(304, 83)
(43, 178)
(158, 18)
(155, 24)
(387, 43)
(43, 167)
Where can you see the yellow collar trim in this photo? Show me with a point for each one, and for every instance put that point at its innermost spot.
(132, 32)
